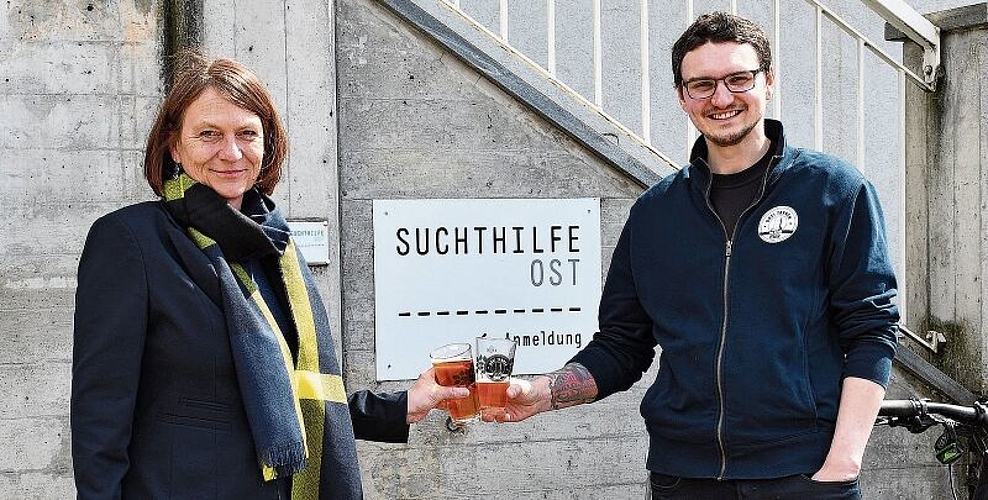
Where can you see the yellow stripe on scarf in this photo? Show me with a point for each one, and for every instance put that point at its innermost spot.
(175, 188)
(320, 386)
(305, 485)
(201, 240)
(308, 346)
(314, 389)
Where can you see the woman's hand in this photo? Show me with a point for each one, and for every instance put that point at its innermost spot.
(426, 394)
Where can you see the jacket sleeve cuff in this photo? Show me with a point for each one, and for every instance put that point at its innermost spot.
(871, 362)
(380, 417)
(598, 366)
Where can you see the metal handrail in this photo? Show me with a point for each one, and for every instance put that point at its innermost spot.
(850, 30)
(917, 28)
(595, 106)
(895, 12)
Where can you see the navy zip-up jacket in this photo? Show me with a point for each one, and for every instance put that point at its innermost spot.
(757, 329)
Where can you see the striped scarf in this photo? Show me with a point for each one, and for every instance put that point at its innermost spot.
(297, 411)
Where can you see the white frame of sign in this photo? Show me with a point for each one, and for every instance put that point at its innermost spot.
(450, 270)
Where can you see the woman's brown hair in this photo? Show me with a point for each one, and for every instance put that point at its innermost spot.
(194, 73)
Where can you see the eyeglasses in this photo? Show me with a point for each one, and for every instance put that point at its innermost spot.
(704, 88)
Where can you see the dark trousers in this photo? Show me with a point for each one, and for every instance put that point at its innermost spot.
(799, 487)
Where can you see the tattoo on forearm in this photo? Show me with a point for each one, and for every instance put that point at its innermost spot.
(572, 385)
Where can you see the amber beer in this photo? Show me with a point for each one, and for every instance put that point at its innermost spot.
(495, 362)
(492, 397)
(453, 364)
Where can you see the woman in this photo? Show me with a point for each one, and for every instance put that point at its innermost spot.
(203, 365)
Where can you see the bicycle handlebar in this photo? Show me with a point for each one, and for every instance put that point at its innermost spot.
(976, 414)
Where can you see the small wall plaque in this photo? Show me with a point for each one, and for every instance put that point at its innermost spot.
(312, 239)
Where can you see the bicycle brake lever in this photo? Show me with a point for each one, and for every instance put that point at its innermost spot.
(947, 448)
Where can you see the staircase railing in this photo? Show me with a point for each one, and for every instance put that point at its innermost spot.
(896, 12)
(548, 71)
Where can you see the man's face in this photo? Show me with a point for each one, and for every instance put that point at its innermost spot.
(725, 118)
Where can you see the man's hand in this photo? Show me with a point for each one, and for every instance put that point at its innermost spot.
(525, 399)
(859, 403)
(572, 385)
(837, 473)
(426, 394)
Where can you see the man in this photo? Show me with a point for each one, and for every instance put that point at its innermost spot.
(763, 274)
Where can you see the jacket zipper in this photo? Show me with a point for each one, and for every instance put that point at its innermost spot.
(720, 361)
(723, 327)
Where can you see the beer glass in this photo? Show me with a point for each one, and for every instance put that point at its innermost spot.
(454, 368)
(495, 360)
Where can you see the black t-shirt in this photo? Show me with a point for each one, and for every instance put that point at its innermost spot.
(731, 194)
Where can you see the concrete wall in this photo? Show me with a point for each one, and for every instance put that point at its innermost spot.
(947, 176)
(929, 6)
(78, 81)
(417, 123)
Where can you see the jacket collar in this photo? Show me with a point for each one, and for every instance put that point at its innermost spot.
(782, 155)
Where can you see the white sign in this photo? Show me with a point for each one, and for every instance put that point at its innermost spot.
(312, 239)
(452, 270)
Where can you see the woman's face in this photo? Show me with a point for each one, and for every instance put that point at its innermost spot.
(220, 145)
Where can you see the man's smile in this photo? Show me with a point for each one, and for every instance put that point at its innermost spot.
(725, 115)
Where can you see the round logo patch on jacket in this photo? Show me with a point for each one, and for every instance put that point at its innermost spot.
(778, 224)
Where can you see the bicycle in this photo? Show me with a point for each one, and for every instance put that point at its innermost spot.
(965, 429)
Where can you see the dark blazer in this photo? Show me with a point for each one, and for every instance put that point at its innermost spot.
(156, 409)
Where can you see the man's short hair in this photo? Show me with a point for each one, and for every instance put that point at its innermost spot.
(720, 27)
